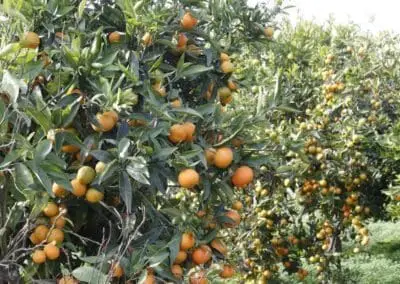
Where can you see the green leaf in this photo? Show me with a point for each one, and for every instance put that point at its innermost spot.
(188, 111)
(174, 247)
(42, 150)
(90, 275)
(110, 169)
(11, 86)
(123, 148)
(11, 157)
(40, 118)
(71, 114)
(125, 189)
(23, 176)
(164, 153)
(193, 70)
(81, 8)
(137, 170)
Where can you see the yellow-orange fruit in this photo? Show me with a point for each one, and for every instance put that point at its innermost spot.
(269, 32)
(224, 92)
(232, 85)
(187, 241)
(199, 277)
(237, 205)
(176, 103)
(177, 271)
(182, 40)
(219, 246)
(30, 40)
(100, 167)
(201, 254)
(177, 133)
(34, 239)
(59, 191)
(188, 178)
(78, 188)
(190, 128)
(232, 214)
(58, 221)
(147, 39)
(224, 57)
(86, 175)
(70, 149)
(227, 67)
(38, 256)
(188, 22)
(56, 235)
(52, 252)
(225, 101)
(51, 209)
(87, 159)
(118, 271)
(150, 279)
(106, 121)
(181, 257)
(41, 232)
(67, 280)
(227, 271)
(94, 196)
(210, 155)
(114, 37)
(223, 157)
(242, 176)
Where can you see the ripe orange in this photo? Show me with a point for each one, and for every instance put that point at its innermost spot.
(78, 188)
(232, 214)
(227, 67)
(118, 271)
(160, 90)
(188, 178)
(56, 235)
(177, 133)
(100, 167)
(201, 255)
(38, 256)
(30, 40)
(147, 39)
(225, 101)
(59, 221)
(94, 196)
(176, 103)
(41, 232)
(51, 209)
(188, 22)
(52, 252)
(232, 85)
(182, 40)
(190, 128)
(67, 280)
(242, 176)
(210, 155)
(59, 191)
(106, 121)
(224, 92)
(150, 279)
(227, 271)
(181, 257)
(70, 149)
(34, 239)
(187, 241)
(219, 246)
(114, 37)
(269, 32)
(177, 271)
(223, 157)
(237, 205)
(224, 57)
(199, 277)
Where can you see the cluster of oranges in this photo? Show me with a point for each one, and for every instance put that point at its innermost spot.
(312, 147)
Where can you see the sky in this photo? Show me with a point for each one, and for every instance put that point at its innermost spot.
(371, 15)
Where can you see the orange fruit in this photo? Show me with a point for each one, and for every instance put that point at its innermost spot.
(188, 178)
(177, 133)
(219, 246)
(106, 121)
(38, 256)
(224, 57)
(181, 257)
(34, 239)
(150, 279)
(237, 142)
(51, 209)
(225, 101)
(201, 254)
(41, 232)
(58, 221)
(182, 40)
(227, 271)
(160, 90)
(199, 277)
(52, 252)
(232, 214)
(67, 280)
(210, 155)
(87, 159)
(177, 271)
(237, 205)
(86, 175)
(232, 85)
(30, 40)
(56, 235)
(78, 188)
(187, 241)
(100, 167)
(176, 103)
(114, 37)
(70, 149)
(118, 271)
(59, 191)
(269, 32)
(223, 157)
(147, 39)
(227, 67)
(190, 128)
(224, 92)
(242, 176)
(94, 196)
(188, 22)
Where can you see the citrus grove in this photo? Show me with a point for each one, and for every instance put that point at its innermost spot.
(190, 142)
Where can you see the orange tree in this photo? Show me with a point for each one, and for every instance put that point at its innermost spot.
(329, 99)
(114, 135)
